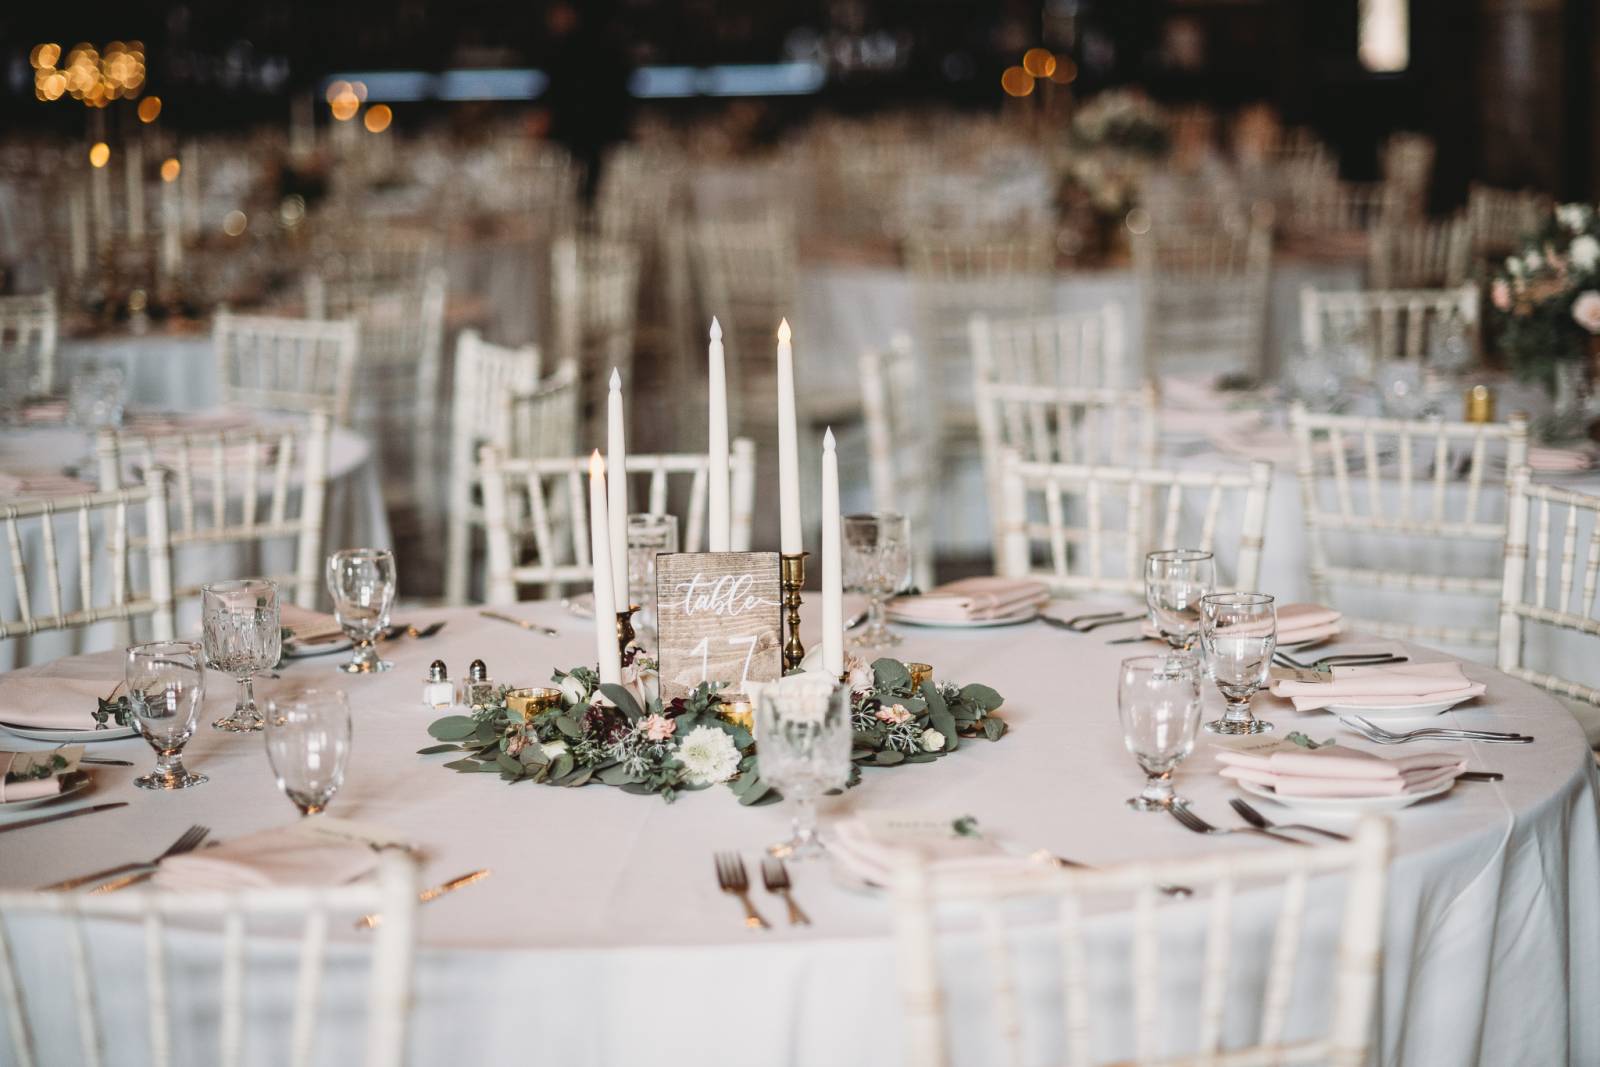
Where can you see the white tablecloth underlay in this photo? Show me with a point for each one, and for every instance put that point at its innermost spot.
(602, 938)
(353, 515)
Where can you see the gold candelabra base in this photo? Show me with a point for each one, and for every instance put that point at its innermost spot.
(625, 634)
(792, 576)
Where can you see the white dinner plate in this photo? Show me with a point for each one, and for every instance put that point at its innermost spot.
(1346, 805)
(1014, 619)
(1382, 712)
(76, 782)
(69, 737)
(1310, 643)
(294, 650)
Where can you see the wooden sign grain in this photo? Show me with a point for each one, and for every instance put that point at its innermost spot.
(719, 619)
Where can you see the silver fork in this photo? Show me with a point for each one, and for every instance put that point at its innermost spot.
(733, 880)
(1373, 732)
(776, 878)
(1194, 822)
(187, 842)
(1256, 819)
(1349, 659)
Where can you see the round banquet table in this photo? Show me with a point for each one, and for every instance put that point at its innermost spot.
(602, 937)
(353, 514)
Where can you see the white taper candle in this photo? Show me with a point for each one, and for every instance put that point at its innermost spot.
(832, 564)
(605, 621)
(719, 534)
(617, 490)
(788, 448)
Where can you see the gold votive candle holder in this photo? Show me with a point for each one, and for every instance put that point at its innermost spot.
(920, 672)
(740, 713)
(1479, 404)
(529, 703)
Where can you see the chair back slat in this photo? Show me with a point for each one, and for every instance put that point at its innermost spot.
(1146, 974)
(1214, 979)
(1074, 981)
(1285, 951)
(1391, 324)
(231, 1031)
(280, 364)
(1006, 1009)
(902, 444)
(308, 987)
(159, 995)
(28, 332)
(17, 1024)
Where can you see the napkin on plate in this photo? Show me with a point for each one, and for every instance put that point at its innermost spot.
(18, 780)
(62, 695)
(307, 627)
(1560, 460)
(315, 851)
(973, 599)
(1396, 685)
(1335, 771)
(872, 844)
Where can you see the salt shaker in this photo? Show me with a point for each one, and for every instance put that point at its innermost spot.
(437, 691)
(479, 688)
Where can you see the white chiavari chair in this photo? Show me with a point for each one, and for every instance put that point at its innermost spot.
(1420, 255)
(1397, 499)
(27, 345)
(1086, 529)
(596, 299)
(956, 274)
(543, 504)
(486, 375)
(1563, 598)
(199, 951)
(954, 928)
(747, 272)
(1388, 323)
(1318, 209)
(1408, 169)
(542, 421)
(37, 560)
(258, 485)
(902, 445)
(1204, 298)
(1502, 218)
(280, 364)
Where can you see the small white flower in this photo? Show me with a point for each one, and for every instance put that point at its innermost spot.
(1586, 311)
(1533, 261)
(1585, 252)
(932, 740)
(708, 756)
(1514, 266)
(572, 690)
(552, 749)
(1568, 216)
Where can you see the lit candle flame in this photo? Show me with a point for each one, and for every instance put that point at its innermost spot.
(597, 465)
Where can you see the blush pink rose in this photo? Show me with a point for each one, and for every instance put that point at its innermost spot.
(1500, 295)
(894, 714)
(1586, 311)
(658, 727)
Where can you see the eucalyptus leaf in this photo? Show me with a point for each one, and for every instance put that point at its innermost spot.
(981, 695)
(533, 755)
(994, 729)
(579, 777)
(453, 727)
(463, 765)
(623, 700)
(616, 774)
(434, 749)
(754, 793)
(509, 764)
(890, 674)
(922, 757)
(561, 766)
(940, 716)
(889, 757)
(567, 725)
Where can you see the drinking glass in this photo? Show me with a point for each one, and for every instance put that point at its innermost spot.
(1174, 581)
(95, 402)
(1239, 632)
(166, 683)
(361, 582)
(803, 722)
(877, 562)
(649, 535)
(1158, 701)
(308, 745)
(240, 628)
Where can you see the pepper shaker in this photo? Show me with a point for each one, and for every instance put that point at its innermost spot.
(479, 688)
(437, 691)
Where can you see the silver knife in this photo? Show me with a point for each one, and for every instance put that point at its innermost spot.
(42, 819)
(525, 624)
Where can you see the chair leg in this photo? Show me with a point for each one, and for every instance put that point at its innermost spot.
(458, 559)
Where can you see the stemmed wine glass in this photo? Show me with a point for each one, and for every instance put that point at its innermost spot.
(649, 535)
(803, 722)
(1158, 701)
(361, 582)
(308, 745)
(1240, 633)
(166, 684)
(1174, 581)
(876, 561)
(240, 624)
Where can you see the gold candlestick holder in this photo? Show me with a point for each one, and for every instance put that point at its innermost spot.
(625, 632)
(792, 576)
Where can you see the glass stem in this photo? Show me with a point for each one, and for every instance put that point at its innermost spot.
(1238, 710)
(875, 624)
(169, 763)
(805, 823)
(1158, 787)
(247, 697)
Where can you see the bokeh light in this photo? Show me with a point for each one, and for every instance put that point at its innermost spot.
(345, 104)
(1016, 82)
(1066, 72)
(1039, 62)
(149, 108)
(377, 118)
(337, 89)
(99, 154)
(44, 56)
(234, 222)
(170, 169)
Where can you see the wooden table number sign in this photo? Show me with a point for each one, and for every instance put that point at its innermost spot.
(719, 620)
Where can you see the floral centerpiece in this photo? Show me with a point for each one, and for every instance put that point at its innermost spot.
(1111, 140)
(624, 736)
(1546, 299)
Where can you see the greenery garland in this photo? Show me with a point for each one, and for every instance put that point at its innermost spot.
(689, 744)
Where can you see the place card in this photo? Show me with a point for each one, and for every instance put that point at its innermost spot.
(719, 620)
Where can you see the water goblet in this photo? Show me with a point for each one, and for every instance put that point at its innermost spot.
(1239, 632)
(803, 722)
(649, 535)
(308, 745)
(1174, 581)
(166, 683)
(241, 633)
(361, 582)
(1158, 701)
(877, 562)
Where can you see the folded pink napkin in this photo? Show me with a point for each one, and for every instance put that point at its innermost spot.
(1384, 686)
(42, 483)
(871, 845)
(308, 627)
(61, 695)
(1255, 442)
(44, 411)
(1336, 771)
(317, 851)
(973, 598)
(1558, 460)
(17, 781)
